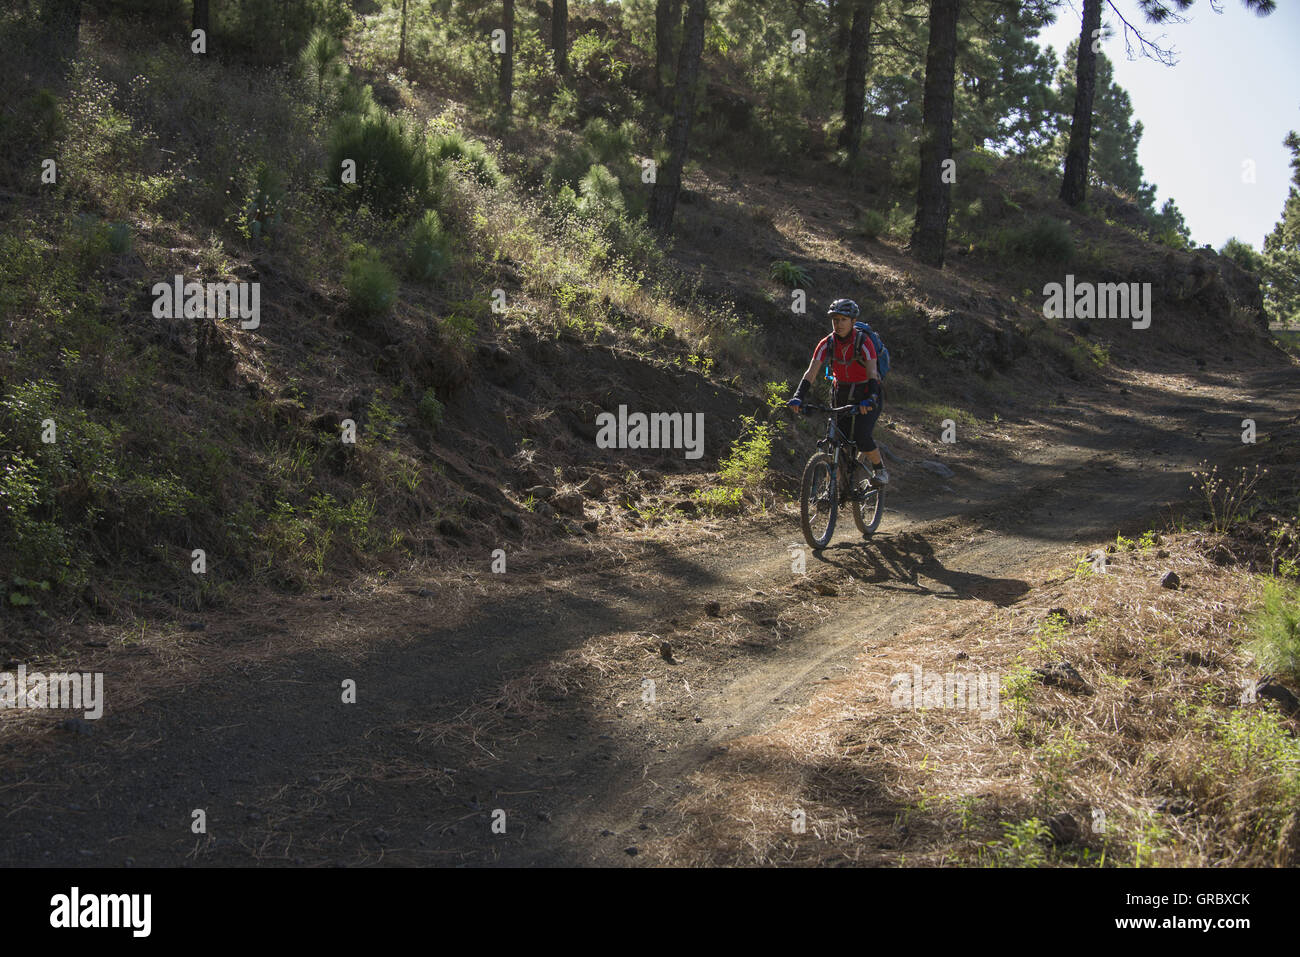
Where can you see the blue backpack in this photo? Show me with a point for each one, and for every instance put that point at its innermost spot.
(882, 354)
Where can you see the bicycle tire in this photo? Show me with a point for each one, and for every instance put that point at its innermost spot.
(819, 461)
(874, 501)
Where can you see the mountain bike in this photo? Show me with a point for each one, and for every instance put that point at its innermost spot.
(834, 477)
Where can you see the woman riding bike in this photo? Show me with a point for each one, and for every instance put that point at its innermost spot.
(852, 359)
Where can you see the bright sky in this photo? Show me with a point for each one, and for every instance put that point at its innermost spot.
(1232, 97)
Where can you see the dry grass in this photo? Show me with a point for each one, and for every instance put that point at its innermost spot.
(1183, 773)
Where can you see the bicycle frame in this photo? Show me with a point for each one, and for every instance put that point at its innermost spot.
(835, 438)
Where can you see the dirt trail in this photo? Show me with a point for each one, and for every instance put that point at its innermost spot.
(245, 721)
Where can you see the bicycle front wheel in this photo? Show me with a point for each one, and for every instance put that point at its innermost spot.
(819, 500)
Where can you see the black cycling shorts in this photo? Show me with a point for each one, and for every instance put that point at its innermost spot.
(857, 427)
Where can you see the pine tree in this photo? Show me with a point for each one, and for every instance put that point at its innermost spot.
(858, 64)
(1115, 134)
(401, 45)
(200, 17)
(1169, 227)
(1005, 99)
(506, 77)
(933, 202)
(1074, 183)
(668, 183)
(560, 35)
(61, 22)
(668, 15)
(1282, 250)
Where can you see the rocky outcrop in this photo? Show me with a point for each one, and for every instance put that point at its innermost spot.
(1203, 277)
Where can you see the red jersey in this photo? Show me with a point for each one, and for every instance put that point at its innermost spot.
(841, 359)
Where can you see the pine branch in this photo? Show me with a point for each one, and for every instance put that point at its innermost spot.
(1148, 48)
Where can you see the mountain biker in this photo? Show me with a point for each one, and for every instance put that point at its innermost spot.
(856, 380)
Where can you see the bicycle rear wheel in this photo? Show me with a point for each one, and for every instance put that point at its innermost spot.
(819, 500)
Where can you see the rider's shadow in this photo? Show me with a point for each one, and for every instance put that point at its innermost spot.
(898, 562)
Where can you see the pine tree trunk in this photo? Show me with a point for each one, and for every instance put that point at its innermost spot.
(855, 80)
(506, 79)
(62, 22)
(668, 182)
(930, 232)
(200, 18)
(839, 8)
(560, 35)
(1075, 183)
(401, 44)
(668, 13)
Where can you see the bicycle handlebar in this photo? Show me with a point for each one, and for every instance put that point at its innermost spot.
(810, 407)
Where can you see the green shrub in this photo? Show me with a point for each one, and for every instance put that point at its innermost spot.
(599, 195)
(1243, 254)
(1043, 240)
(108, 152)
(40, 547)
(357, 99)
(262, 215)
(50, 492)
(871, 223)
(392, 165)
(568, 167)
(1172, 238)
(721, 499)
(36, 118)
(564, 107)
(371, 285)
(746, 463)
(430, 410)
(87, 241)
(611, 145)
(471, 154)
(119, 239)
(565, 202)
(593, 57)
(461, 327)
(320, 61)
(1023, 844)
(430, 249)
(788, 274)
(1275, 630)
(898, 225)
(775, 395)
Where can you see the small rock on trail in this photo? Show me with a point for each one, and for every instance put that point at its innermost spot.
(1063, 674)
(570, 503)
(1268, 687)
(1064, 827)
